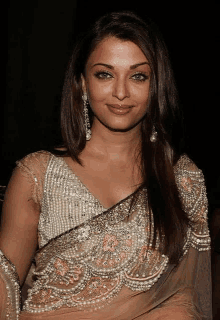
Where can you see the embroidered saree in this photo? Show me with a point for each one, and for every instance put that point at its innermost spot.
(93, 262)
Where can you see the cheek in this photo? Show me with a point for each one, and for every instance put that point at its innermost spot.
(143, 97)
(140, 94)
(98, 92)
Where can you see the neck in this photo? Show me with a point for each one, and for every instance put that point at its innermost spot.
(112, 145)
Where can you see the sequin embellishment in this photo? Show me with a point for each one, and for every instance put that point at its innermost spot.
(10, 277)
(85, 264)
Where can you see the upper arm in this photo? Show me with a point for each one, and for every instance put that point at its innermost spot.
(19, 223)
(196, 270)
(191, 184)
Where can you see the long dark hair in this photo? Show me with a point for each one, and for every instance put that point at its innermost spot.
(158, 158)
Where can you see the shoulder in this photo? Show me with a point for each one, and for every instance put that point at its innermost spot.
(187, 173)
(185, 164)
(33, 168)
(40, 157)
(191, 185)
(35, 162)
(192, 192)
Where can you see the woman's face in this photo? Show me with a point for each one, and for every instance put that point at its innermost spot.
(117, 81)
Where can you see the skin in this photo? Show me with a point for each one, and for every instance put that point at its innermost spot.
(110, 168)
(110, 171)
(120, 85)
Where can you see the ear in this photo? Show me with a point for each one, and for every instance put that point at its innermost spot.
(83, 83)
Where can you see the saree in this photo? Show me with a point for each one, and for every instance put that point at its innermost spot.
(99, 264)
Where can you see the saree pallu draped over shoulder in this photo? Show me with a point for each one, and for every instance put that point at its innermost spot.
(105, 267)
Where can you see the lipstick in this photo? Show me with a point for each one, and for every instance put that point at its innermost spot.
(119, 109)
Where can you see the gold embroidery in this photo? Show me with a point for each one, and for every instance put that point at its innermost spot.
(100, 252)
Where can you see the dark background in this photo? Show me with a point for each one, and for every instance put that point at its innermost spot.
(34, 55)
(40, 39)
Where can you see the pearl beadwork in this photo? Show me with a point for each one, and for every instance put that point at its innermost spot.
(95, 254)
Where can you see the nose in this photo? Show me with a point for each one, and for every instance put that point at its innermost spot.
(121, 90)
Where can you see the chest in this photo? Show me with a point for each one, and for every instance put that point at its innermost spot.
(108, 183)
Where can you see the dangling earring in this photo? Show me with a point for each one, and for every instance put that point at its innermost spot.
(86, 116)
(153, 137)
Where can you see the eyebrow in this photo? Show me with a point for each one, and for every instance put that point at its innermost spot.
(112, 68)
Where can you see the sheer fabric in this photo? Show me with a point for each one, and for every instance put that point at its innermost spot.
(93, 263)
(10, 290)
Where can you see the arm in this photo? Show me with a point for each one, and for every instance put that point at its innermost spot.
(18, 239)
(194, 270)
(186, 291)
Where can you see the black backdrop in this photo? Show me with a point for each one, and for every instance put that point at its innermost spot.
(40, 38)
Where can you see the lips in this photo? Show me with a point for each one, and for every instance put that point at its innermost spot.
(118, 106)
(119, 109)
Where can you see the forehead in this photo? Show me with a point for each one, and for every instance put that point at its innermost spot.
(116, 51)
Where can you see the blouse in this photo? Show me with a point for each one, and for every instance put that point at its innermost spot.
(92, 259)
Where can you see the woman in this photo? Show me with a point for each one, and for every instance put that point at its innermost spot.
(118, 213)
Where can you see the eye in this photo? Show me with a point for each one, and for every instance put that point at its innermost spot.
(140, 77)
(103, 75)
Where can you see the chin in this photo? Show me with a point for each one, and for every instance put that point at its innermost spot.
(120, 128)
